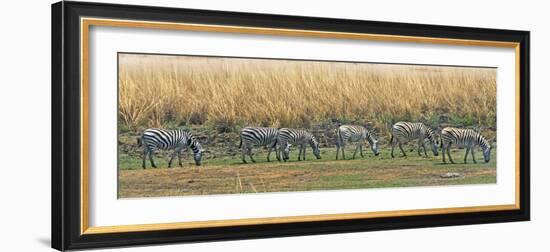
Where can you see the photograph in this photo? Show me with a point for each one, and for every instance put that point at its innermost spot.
(182, 124)
(210, 125)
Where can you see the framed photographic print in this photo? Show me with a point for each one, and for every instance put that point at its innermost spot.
(181, 125)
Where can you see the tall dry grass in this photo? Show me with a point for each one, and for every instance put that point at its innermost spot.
(156, 90)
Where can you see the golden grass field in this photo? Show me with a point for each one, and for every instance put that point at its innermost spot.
(155, 90)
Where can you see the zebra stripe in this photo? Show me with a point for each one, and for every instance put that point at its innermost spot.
(177, 139)
(403, 132)
(257, 136)
(288, 137)
(355, 133)
(467, 138)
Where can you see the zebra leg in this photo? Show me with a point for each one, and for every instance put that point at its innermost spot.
(424, 147)
(466, 156)
(356, 149)
(268, 154)
(443, 150)
(425, 152)
(392, 148)
(343, 155)
(151, 159)
(280, 151)
(179, 159)
(172, 158)
(401, 147)
(473, 157)
(243, 153)
(338, 146)
(361, 150)
(250, 155)
(145, 153)
(449, 153)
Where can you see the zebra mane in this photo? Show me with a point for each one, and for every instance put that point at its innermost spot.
(482, 141)
(370, 136)
(430, 133)
(193, 143)
(313, 141)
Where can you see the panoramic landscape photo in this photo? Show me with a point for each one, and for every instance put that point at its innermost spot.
(201, 125)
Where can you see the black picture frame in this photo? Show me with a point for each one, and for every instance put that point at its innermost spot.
(66, 114)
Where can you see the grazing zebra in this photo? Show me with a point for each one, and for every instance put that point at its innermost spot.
(355, 133)
(177, 139)
(299, 137)
(464, 138)
(257, 136)
(402, 132)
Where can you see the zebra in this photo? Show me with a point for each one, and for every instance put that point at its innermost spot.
(287, 137)
(177, 139)
(402, 132)
(257, 136)
(355, 133)
(464, 138)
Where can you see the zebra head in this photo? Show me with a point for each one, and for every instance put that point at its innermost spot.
(372, 142)
(433, 141)
(315, 147)
(374, 147)
(286, 151)
(485, 146)
(487, 154)
(197, 155)
(317, 151)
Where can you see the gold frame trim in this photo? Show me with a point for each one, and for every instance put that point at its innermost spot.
(85, 24)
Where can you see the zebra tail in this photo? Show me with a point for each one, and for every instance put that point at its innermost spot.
(139, 141)
(391, 139)
(338, 137)
(241, 142)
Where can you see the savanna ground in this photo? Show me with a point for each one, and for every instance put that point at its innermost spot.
(230, 175)
(215, 97)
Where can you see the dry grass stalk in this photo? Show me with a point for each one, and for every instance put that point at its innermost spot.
(155, 90)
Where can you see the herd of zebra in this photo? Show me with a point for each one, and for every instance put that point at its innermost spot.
(281, 139)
